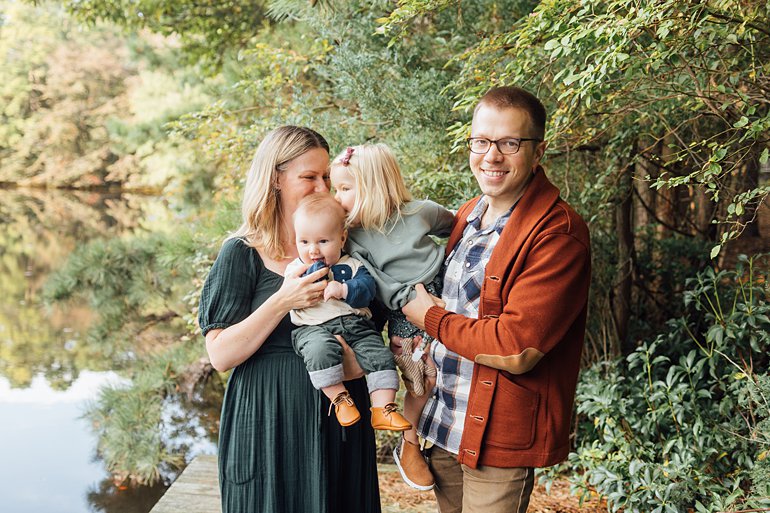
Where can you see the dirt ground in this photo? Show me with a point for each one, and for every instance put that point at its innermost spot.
(397, 497)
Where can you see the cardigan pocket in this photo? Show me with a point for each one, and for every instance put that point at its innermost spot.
(491, 304)
(513, 415)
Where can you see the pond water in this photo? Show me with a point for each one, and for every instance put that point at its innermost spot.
(48, 372)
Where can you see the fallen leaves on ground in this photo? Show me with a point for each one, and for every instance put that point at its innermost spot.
(397, 497)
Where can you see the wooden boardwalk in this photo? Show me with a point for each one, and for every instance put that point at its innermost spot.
(196, 490)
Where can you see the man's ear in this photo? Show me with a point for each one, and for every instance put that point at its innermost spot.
(540, 151)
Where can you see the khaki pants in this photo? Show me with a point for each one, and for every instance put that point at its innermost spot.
(461, 489)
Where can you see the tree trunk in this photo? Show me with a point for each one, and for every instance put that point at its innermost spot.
(751, 181)
(704, 214)
(621, 292)
(644, 197)
(667, 198)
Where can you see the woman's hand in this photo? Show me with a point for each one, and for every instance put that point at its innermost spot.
(299, 291)
(350, 367)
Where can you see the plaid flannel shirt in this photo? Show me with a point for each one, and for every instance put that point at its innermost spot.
(443, 417)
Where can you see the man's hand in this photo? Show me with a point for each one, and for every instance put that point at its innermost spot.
(416, 309)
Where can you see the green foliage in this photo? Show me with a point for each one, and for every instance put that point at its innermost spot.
(623, 78)
(87, 109)
(125, 281)
(136, 433)
(663, 267)
(207, 29)
(140, 287)
(681, 422)
(332, 67)
(145, 289)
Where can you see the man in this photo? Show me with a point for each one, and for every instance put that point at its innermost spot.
(511, 333)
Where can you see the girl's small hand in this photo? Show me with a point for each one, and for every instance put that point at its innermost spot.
(334, 289)
(396, 343)
(302, 291)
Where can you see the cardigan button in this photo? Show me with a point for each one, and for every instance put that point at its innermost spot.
(487, 383)
(472, 453)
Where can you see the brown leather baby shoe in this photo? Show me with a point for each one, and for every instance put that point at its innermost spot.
(345, 409)
(388, 418)
(412, 466)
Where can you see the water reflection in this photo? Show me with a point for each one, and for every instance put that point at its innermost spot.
(48, 370)
(108, 498)
(38, 230)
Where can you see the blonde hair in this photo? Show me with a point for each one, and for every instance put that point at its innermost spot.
(380, 188)
(262, 214)
(321, 203)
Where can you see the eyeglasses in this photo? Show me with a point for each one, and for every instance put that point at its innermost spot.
(507, 146)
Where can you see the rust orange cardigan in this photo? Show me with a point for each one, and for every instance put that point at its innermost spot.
(528, 338)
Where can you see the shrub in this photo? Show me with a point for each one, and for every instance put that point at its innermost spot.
(682, 422)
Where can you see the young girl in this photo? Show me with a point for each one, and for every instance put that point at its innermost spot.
(390, 233)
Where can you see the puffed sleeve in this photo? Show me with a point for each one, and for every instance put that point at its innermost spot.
(230, 286)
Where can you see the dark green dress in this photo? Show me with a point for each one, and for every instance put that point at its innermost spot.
(279, 451)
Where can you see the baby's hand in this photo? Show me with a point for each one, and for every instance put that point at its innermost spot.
(336, 290)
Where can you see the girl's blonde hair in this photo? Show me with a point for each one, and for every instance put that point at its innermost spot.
(262, 214)
(380, 188)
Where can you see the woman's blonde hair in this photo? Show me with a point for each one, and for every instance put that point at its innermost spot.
(262, 226)
(380, 188)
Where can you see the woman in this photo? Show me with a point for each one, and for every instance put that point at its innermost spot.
(279, 450)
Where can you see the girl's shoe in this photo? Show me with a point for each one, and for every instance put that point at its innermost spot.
(388, 418)
(345, 409)
(412, 466)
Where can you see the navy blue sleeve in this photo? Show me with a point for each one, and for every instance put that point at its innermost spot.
(361, 289)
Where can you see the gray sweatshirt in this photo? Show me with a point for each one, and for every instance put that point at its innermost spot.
(403, 254)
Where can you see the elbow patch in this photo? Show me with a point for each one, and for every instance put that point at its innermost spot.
(515, 364)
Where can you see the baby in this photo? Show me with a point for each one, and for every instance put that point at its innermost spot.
(319, 225)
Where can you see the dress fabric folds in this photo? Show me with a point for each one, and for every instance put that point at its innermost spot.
(279, 450)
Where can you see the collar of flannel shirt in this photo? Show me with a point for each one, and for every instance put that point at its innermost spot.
(474, 218)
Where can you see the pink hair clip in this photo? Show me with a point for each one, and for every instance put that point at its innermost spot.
(348, 153)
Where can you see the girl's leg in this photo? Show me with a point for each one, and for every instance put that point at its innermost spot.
(408, 457)
(412, 410)
(413, 406)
